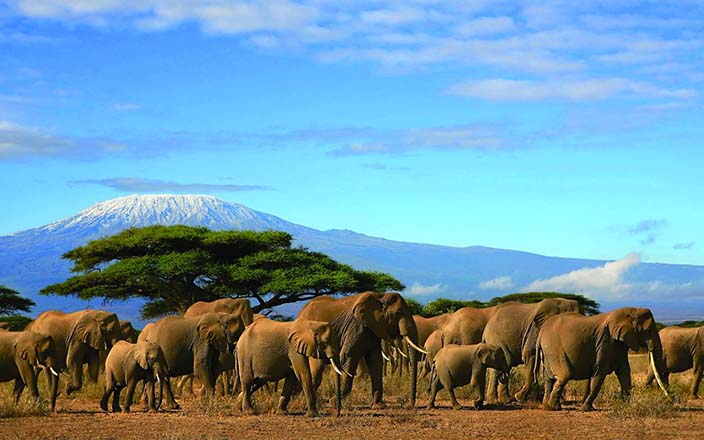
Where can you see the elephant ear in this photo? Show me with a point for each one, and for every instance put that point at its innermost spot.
(26, 348)
(546, 309)
(87, 330)
(212, 333)
(369, 312)
(622, 327)
(483, 353)
(304, 337)
(140, 355)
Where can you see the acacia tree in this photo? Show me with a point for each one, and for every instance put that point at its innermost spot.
(174, 266)
(11, 302)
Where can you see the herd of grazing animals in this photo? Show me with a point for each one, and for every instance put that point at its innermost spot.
(224, 338)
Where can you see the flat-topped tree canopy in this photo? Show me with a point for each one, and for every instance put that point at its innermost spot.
(173, 267)
(11, 302)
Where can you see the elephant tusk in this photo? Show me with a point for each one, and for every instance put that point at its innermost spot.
(53, 371)
(386, 358)
(401, 353)
(415, 347)
(157, 377)
(106, 345)
(334, 367)
(657, 375)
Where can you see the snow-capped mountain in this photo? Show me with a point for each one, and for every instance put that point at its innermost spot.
(31, 259)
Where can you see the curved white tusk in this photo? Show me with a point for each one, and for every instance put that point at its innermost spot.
(401, 353)
(106, 345)
(657, 375)
(415, 347)
(386, 358)
(334, 367)
(157, 377)
(53, 371)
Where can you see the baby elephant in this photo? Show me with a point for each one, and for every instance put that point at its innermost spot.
(126, 365)
(458, 365)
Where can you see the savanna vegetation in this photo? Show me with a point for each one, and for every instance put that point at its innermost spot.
(11, 304)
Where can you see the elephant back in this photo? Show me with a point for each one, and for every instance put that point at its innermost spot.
(239, 306)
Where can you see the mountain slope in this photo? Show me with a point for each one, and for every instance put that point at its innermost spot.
(30, 260)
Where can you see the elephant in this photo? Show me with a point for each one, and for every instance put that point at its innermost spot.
(573, 346)
(78, 338)
(426, 326)
(362, 321)
(458, 365)
(269, 351)
(235, 306)
(128, 363)
(683, 348)
(193, 345)
(514, 327)
(20, 353)
(129, 332)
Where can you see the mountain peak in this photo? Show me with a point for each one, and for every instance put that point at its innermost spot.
(114, 215)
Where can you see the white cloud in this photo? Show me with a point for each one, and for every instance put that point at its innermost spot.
(486, 26)
(393, 16)
(602, 281)
(500, 283)
(576, 90)
(418, 289)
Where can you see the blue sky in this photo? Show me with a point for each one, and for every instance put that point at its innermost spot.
(561, 129)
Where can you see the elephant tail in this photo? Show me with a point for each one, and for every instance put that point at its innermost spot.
(433, 376)
(539, 362)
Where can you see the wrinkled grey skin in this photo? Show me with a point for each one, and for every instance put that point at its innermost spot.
(269, 351)
(514, 328)
(126, 365)
(78, 338)
(193, 346)
(458, 365)
(683, 348)
(20, 354)
(571, 346)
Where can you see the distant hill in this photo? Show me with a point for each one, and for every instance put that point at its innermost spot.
(31, 259)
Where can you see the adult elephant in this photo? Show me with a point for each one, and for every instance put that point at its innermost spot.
(20, 353)
(571, 346)
(466, 325)
(193, 345)
(514, 327)
(683, 348)
(233, 306)
(78, 338)
(270, 351)
(426, 326)
(362, 321)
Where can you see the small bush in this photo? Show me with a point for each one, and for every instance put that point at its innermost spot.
(27, 406)
(643, 402)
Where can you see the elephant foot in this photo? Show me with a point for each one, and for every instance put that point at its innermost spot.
(587, 407)
(173, 405)
(550, 406)
(249, 411)
(116, 409)
(478, 404)
(103, 406)
(126, 410)
(692, 397)
(379, 405)
(312, 414)
(522, 396)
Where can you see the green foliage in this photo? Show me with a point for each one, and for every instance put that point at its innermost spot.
(415, 307)
(16, 322)
(690, 324)
(586, 305)
(11, 302)
(174, 266)
(444, 305)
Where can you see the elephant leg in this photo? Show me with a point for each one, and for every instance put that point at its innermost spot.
(549, 385)
(697, 373)
(492, 395)
(151, 400)
(29, 378)
(17, 390)
(170, 401)
(290, 387)
(109, 388)
(556, 394)
(435, 386)
(594, 388)
(523, 394)
(455, 404)
(301, 368)
(116, 399)
(478, 382)
(623, 373)
(131, 385)
(94, 366)
(503, 390)
(585, 393)
(375, 364)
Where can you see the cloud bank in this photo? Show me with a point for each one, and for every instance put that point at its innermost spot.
(138, 185)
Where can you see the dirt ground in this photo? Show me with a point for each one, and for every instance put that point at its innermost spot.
(82, 421)
(78, 417)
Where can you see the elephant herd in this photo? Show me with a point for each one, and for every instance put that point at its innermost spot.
(224, 341)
